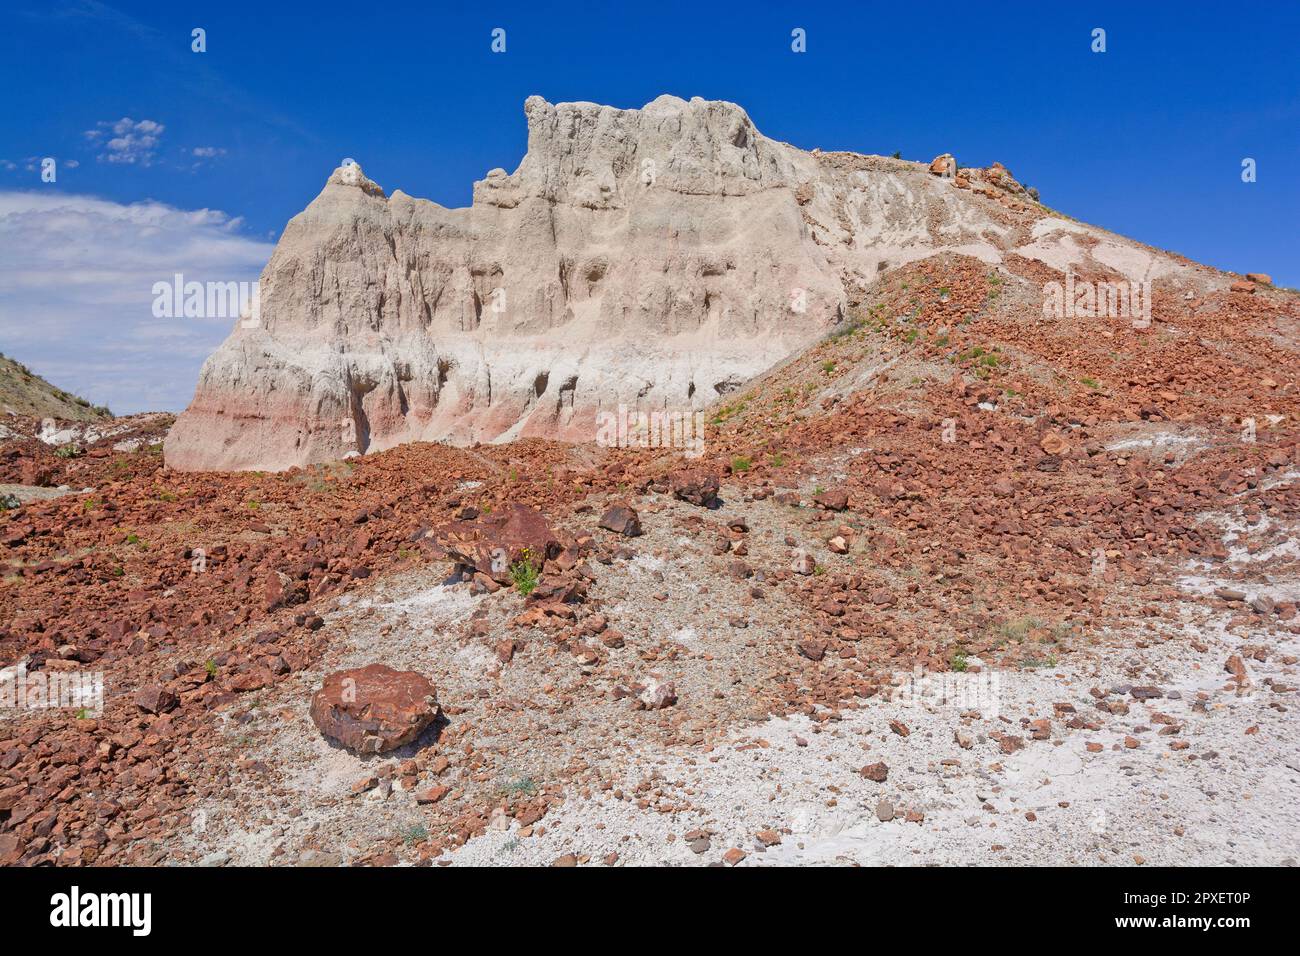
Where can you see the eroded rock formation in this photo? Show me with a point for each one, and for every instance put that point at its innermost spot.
(652, 259)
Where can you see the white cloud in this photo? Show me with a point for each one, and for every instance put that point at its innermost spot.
(132, 142)
(76, 280)
(208, 152)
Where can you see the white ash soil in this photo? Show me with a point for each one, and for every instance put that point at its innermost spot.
(1229, 798)
(26, 493)
(635, 783)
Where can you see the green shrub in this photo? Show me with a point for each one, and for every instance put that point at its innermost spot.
(525, 574)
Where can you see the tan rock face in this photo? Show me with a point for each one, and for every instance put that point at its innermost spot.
(653, 259)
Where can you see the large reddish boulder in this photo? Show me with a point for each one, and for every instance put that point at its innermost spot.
(491, 543)
(621, 518)
(35, 472)
(374, 708)
(696, 486)
(944, 165)
(1000, 176)
(835, 499)
(155, 699)
(280, 590)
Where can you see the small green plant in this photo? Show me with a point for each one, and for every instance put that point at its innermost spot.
(828, 366)
(520, 787)
(525, 574)
(819, 569)
(778, 460)
(211, 667)
(68, 451)
(254, 505)
(1091, 383)
(417, 833)
(9, 502)
(741, 464)
(958, 662)
(726, 412)
(83, 714)
(845, 331)
(1018, 629)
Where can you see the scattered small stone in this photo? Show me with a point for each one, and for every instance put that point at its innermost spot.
(875, 772)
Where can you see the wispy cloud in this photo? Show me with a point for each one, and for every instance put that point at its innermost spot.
(201, 157)
(76, 280)
(32, 164)
(126, 140)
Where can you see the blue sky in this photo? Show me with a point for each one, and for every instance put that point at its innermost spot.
(223, 147)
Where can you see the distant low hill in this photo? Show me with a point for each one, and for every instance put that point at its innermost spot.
(23, 392)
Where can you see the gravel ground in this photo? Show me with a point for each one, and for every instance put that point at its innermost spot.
(1207, 772)
(1229, 799)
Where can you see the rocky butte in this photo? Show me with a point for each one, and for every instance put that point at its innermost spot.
(649, 259)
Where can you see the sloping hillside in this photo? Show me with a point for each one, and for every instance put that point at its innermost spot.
(22, 392)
